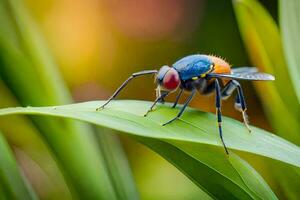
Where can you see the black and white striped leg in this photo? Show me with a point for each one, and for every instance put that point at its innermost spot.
(177, 98)
(183, 108)
(240, 103)
(218, 112)
(134, 75)
(158, 99)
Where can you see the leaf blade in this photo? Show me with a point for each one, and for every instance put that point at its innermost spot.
(128, 116)
(23, 51)
(117, 164)
(290, 28)
(211, 170)
(13, 184)
(263, 42)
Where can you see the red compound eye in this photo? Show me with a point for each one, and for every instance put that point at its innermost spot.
(171, 80)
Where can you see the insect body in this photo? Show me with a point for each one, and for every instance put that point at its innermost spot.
(204, 74)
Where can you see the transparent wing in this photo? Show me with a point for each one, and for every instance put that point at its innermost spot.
(253, 76)
(239, 70)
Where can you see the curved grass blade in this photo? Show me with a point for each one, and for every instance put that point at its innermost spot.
(117, 164)
(263, 42)
(33, 146)
(195, 126)
(13, 184)
(54, 130)
(186, 144)
(25, 60)
(209, 168)
(290, 29)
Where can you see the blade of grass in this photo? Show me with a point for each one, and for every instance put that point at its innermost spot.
(288, 178)
(263, 42)
(31, 57)
(290, 28)
(251, 178)
(117, 164)
(36, 51)
(14, 185)
(26, 137)
(245, 175)
(220, 182)
(191, 144)
(61, 136)
(195, 126)
(2, 192)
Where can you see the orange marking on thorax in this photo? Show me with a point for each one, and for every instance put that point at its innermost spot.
(221, 67)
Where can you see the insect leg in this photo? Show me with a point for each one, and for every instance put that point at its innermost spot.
(227, 91)
(218, 111)
(163, 95)
(134, 75)
(183, 108)
(177, 98)
(240, 103)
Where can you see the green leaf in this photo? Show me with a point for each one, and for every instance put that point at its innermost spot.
(195, 126)
(191, 143)
(13, 184)
(263, 42)
(208, 167)
(251, 178)
(25, 59)
(117, 164)
(33, 46)
(26, 138)
(262, 39)
(290, 29)
(94, 182)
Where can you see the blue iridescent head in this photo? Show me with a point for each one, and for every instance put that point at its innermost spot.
(168, 78)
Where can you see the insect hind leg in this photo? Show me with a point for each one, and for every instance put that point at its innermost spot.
(218, 112)
(240, 103)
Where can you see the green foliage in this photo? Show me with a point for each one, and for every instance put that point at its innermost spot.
(267, 51)
(12, 184)
(128, 116)
(263, 42)
(117, 164)
(290, 29)
(221, 177)
(31, 74)
(32, 145)
(93, 162)
(192, 144)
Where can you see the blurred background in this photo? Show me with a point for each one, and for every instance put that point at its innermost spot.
(97, 44)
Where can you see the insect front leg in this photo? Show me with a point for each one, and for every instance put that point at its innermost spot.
(177, 98)
(183, 108)
(240, 103)
(218, 111)
(160, 98)
(134, 75)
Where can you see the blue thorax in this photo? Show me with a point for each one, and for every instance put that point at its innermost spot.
(193, 66)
